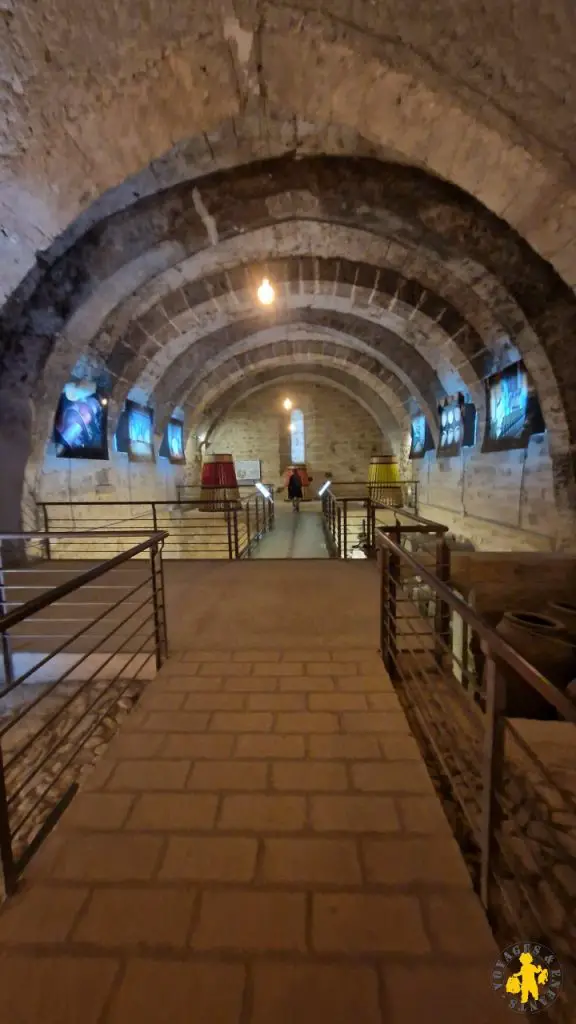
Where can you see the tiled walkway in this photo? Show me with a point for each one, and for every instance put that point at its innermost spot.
(295, 534)
(261, 844)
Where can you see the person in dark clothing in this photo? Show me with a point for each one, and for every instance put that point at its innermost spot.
(295, 490)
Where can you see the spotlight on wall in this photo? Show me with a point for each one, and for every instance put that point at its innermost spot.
(290, 427)
(287, 403)
(103, 401)
(266, 293)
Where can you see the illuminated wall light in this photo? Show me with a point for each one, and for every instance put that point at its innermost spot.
(201, 438)
(103, 401)
(263, 490)
(287, 403)
(266, 293)
(324, 488)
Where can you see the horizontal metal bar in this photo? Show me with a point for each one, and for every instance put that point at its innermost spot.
(44, 600)
(495, 642)
(76, 636)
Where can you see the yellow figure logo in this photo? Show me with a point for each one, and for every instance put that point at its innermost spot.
(528, 977)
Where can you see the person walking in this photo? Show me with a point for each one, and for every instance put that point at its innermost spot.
(295, 490)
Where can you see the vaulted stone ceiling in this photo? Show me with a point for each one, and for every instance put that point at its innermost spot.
(404, 177)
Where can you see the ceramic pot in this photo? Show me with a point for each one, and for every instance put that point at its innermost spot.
(542, 642)
(564, 612)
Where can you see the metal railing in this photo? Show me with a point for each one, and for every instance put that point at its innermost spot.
(196, 529)
(510, 805)
(76, 649)
(351, 521)
(403, 494)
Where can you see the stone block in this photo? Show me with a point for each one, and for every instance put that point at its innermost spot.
(141, 775)
(255, 812)
(229, 775)
(242, 721)
(353, 814)
(392, 777)
(273, 746)
(304, 684)
(251, 921)
(55, 990)
(277, 702)
(137, 917)
(198, 746)
(214, 702)
(209, 859)
(251, 684)
(406, 861)
(38, 915)
(368, 923)
(375, 722)
(304, 776)
(309, 993)
(348, 748)
(306, 722)
(156, 990)
(337, 702)
(173, 812)
(97, 811)
(107, 858)
(311, 862)
(423, 814)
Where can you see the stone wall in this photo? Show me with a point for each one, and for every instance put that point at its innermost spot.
(500, 501)
(117, 480)
(340, 435)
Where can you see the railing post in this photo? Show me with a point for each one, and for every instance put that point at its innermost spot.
(162, 597)
(154, 517)
(7, 874)
(47, 547)
(6, 644)
(393, 582)
(235, 526)
(257, 514)
(492, 765)
(248, 538)
(442, 629)
(345, 517)
(156, 607)
(339, 530)
(228, 515)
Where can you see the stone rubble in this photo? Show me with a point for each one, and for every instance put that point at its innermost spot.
(60, 754)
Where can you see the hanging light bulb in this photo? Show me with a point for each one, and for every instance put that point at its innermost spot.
(266, 293)
(287, 403)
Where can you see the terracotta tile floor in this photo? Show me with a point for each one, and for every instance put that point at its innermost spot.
(260, 844)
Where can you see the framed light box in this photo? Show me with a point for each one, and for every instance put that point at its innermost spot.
(420, 437)
(81, 423)
(457, 426)
(135, 433)
(513, 411)
(172, 447)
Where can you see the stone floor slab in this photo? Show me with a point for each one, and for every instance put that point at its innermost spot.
(154, 991)
(309, 994)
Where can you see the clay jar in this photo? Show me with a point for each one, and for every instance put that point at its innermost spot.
(564, 612)
(542, 642)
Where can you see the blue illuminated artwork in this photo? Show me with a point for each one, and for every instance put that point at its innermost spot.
(421, 441)
(513, 413)
(135, 434)
(457, 426)
(172, 447)
(80, 425)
